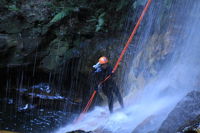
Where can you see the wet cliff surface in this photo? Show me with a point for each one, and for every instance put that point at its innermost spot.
(185, 113)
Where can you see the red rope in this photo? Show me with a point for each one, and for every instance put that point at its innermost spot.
(119, 59)
(132, 35)
(89, 103)
(86, 108)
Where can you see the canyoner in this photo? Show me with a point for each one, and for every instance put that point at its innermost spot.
(101, 70)
(116, 65)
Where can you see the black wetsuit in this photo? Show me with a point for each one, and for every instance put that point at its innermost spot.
(108, 87)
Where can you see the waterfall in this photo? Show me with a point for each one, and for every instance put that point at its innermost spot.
(164, 68)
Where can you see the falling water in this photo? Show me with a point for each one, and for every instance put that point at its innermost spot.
(173, 79)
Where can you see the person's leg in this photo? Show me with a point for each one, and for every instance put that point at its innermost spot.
(119, 97)
(108, 92)
(110, 102)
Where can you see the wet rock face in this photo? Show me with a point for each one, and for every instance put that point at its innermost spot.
(191, 126)
(43, 31)
(20, 31)
(186, 110)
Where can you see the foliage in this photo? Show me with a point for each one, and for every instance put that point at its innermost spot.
(62, 14)
(101, 21)
(103, 16)
(139, 3)
(10, 4)
(13, 8)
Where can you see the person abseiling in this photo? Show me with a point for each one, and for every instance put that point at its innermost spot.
(101, 70)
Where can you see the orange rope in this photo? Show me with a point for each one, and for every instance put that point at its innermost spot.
(86, 108)
(132, 35)
(119, 59)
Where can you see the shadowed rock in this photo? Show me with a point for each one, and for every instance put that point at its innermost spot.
(186, 110)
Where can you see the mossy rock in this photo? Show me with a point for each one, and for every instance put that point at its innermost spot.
(13, 23)
(58, 52)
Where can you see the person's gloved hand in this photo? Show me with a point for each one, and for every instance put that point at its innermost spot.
(97, 67)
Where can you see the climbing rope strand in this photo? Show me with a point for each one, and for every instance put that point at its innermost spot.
(131, 37)
(119, 59)
(105, 79)
(129, 40)
(86, 108)
(90, 101)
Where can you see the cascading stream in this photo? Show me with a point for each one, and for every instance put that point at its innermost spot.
(164, 69)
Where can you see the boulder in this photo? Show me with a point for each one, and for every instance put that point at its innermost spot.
(192, 126)
(186, 110)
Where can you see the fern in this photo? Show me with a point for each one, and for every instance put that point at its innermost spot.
(61, 15)
(100, 22)
(13, 8)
